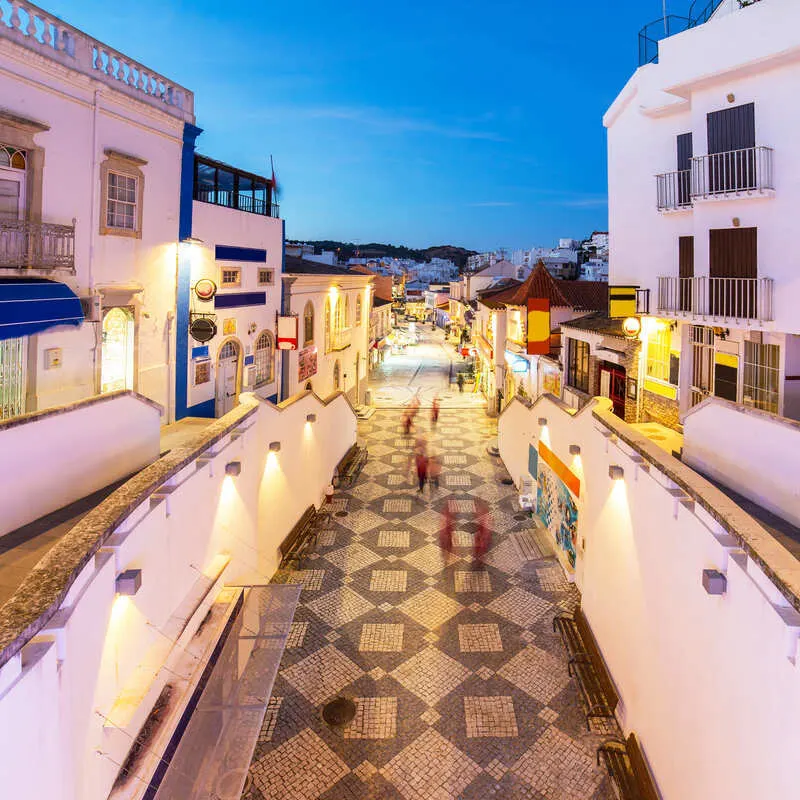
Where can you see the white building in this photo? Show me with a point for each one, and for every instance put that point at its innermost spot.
(711, 236)
(333, 306)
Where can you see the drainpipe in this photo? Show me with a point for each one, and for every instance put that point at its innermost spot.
(94, 218)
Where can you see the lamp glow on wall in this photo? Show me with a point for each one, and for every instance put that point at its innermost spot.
(233, 468)
(129, 582)
(274, 447)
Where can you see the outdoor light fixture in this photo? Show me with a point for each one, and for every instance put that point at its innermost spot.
(311, 418)
(129, 582)
(714, 581)
(574, 449)
(274, 447)
(191, 240)
(233, 468)
(543, 421)
(616, 473)
(631, 327)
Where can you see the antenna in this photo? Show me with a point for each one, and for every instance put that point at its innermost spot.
(664, 12)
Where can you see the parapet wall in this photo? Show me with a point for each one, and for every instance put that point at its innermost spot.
(81, 664)
(709, 683)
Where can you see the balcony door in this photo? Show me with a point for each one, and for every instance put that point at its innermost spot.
(12, 183)
(733, 272)
(686, 271)
(685, 153)
(731, 143)
(702, 363)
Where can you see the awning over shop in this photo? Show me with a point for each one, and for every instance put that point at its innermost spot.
(33, 305)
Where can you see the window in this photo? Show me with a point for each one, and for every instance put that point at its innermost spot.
(264, 358)
(308, 324)
(121, 202)
(662, 364)
(122, 189)
(230, 277)
(516, 327)
(328, 331)
(222, 185)
(265, 277)
(358, 310)
(578, 364)
(761, 376)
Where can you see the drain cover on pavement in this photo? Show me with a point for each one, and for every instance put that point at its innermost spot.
(507, 481)
(520, 517)
(339, 711)
(341, 513)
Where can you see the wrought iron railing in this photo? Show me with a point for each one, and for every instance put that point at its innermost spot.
(673, 190)
(37, 245)
(237, 200)
(723, 298)
(341, 339)
(734, 172)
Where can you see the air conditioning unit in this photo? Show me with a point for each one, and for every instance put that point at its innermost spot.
(92, 308)
(249, 375)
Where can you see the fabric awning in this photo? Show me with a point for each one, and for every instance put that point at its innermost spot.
(32, 305)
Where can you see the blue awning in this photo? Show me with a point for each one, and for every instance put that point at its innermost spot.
(32, 305)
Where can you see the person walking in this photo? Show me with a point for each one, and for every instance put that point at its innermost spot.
(460, 382)
(435, 411)
(446, 531)
(434, 471)
(483, 535)
(422, 469)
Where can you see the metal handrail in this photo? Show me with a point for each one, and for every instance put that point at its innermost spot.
(673, 190)
(37, 245)
(721, 298)
(733, 172)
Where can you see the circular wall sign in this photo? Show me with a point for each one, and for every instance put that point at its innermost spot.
(205, 289)
(202, 329)
(631, 327)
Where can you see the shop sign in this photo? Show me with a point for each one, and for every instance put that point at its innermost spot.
(538, 326)
(205, 289)
(202, 329)
(517, 363)
(287, 333)
(307, 363)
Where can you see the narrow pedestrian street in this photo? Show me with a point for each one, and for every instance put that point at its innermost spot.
(460, 685)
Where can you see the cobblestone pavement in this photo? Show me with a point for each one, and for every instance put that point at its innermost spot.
(461, 687)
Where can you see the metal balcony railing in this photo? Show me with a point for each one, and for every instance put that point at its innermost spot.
(341, 339)
(37, 245)
(673, 190)
(237, 200)
(723, 298)
(735, 172)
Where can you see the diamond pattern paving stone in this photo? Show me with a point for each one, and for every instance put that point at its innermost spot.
(455, 459)
(496, 768)
(431, 675)
(352, 557)
(431, 768)
(430, 608)
(559, 767)
(537, 673)
(480, 638)
(430, 716)
(311, 579)
(376, 718)
(504, 556)
(552, 579)
(519, 606)
(322, 674)
(490, 716)
(363, 520)
(270, 720)
(365, 770)
(427, 521)
(430, 559)
(388, 580)
(297, 632)
(397, 506)
(461, 506)
(472, 582)
(369, 491)
(463, 539)
(393, 539)
(378, 637)
(396, 480)
(458, 479)
(326, 539)
(340, 606)
(283, 772)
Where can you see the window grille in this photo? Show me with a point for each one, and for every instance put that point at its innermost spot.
(761, 380)
(264, 358)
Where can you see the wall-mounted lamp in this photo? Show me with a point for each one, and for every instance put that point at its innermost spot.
(274, 447)
(714, 581)
(233, 468)
(191, 240)
(311, 417)
(574, 449)
(616, 473)
(129, 582)
(543, 421)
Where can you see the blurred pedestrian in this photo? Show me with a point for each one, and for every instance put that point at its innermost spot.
(434, 471)
(460, 381)
(407, 424)
(446, 532)
(422, 469)
(483, 534)
(435, 411)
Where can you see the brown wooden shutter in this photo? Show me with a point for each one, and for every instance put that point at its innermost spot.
(685, 270)
(732, 129)
(733, 253)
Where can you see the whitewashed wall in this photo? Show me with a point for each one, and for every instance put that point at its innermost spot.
(710, 685)
(90, 663)
(51, 459)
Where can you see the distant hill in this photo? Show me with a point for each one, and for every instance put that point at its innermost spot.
(458, 255)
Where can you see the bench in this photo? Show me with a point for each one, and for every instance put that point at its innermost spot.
(300, 541)
(350, 466)
(628, 769)
(586, 665)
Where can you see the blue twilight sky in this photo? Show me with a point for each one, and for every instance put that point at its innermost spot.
(420, 123)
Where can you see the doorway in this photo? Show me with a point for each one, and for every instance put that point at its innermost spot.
(117, 354)
(13, 357)
(12, 182)
(702, 364)
(612, 386)
(228, 377)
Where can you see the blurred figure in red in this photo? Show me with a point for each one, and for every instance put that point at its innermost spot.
(446, 533)
(435, 411)
(422, 468)
(407, 424)
(483, 535)
(434, 471)
(413, 406)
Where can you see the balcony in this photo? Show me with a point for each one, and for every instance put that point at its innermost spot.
(37, 246)
(223, 185)
(732, 174)
(341, 339)
(717, 299)
(673, 190)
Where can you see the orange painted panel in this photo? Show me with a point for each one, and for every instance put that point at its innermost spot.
(538, 326)
(570, 479)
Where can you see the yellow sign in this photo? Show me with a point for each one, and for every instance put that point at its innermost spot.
(229, 326)
(622, 301)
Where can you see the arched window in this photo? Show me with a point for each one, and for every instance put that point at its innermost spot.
(264, 358)
(358, 310)
(337, 380)
(328, 325)
(308, 324)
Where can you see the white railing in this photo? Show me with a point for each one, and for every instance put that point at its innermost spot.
(341, 339)
(673, 190)
(37, 245)
(34, 28)
(723, 298)
(735, 172)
